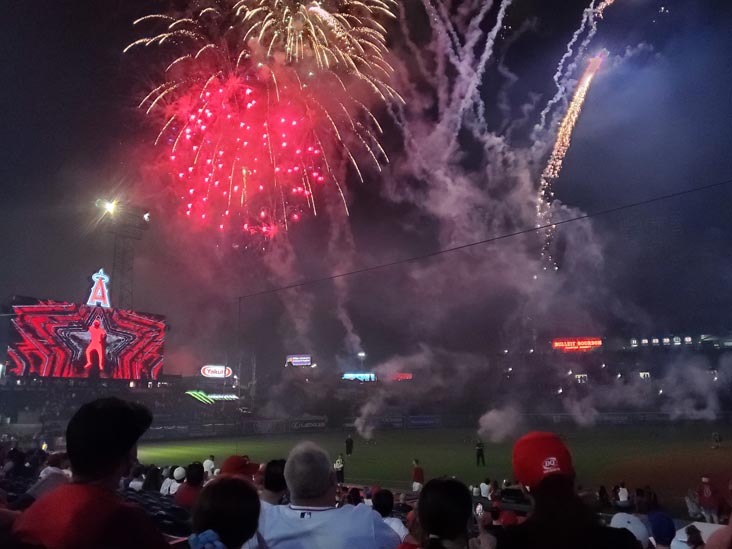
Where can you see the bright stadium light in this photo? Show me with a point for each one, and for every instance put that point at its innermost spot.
(110, 206)
(361, 354)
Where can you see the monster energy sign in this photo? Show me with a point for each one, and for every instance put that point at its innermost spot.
(210, 399)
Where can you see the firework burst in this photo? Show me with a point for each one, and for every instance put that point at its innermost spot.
(556, 160)
(261, 99)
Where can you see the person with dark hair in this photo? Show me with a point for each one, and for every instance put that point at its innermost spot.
(137, 477)
(225, 515)
(663, 529)
(153, 480)
(543, 465)
(603, 498)
(188, 492)
(101, 441)
(383, 503)
(445, 509)
(274, 489)
(354, 496)
(694, 537)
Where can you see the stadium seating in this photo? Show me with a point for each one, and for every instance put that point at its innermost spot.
(170, 518)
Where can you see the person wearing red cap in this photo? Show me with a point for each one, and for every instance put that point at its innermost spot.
(239, 466)
(560, 520)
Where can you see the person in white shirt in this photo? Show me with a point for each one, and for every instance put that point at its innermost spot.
(383, 502)
(170, 485)
(623, 496)
(485, 488)
(209, 466)
(312, 520)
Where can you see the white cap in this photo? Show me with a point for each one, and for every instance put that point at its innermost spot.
(179, 474)
(634, 524)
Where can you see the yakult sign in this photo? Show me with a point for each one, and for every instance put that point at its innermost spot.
(212, 370)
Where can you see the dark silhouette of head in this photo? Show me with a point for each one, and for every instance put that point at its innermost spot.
(445, 507)
(229, 506)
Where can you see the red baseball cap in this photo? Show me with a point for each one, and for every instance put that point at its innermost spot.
(239, 465)
(537, 455)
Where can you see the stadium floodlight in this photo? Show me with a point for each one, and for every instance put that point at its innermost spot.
(109, 206)
(361, 354)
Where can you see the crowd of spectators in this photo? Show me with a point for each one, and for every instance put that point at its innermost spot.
(88, 498)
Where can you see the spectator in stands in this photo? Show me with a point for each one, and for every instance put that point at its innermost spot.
(188, 492)
(692, 505)
(240, 466)
(101, 441)
(416, 536)
(634, 525)
(312, 520)
(603, 498)
(494, 493)
(663, 529)
(694, 537)
(53, 475)
(153, 480)
(641, 501)
(652, 499)
(708, 500)
(383, 503)
(274, 489)
(209, 466)
(445, 509)
(354, 496)
(226, 514)
(543, 465)
(171, 483)
(623, 497)
(402, 506)
(137, 478)
(485, 488)
(417, 476)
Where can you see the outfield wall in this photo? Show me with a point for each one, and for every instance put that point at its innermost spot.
(252, 427)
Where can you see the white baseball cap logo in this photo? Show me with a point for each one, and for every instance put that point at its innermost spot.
(551, 464)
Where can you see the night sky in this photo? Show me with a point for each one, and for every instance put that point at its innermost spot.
(657, 121)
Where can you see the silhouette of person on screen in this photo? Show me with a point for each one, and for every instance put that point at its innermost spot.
(97, 339)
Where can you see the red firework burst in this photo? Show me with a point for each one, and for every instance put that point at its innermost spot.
(243, 160)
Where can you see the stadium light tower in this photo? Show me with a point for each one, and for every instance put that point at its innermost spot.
(127, 223)
(362, 356)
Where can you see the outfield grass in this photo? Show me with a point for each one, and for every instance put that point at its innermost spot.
(669, 458)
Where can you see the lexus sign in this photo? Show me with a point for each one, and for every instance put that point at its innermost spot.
(212, 370)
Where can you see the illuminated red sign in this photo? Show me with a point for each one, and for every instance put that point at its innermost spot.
(576, 344)
(212, 370)
(401, 376)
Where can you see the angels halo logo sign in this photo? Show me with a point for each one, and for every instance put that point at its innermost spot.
(211, 370)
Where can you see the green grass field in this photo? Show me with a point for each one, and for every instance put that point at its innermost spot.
(669, 458)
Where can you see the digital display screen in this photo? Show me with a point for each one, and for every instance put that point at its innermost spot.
(56, 339)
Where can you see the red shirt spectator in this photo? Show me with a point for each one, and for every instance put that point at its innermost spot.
(708, 495)
(86, 516)
(187, 495)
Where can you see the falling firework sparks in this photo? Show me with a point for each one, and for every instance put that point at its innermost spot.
(261, 99)
(561, 145)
